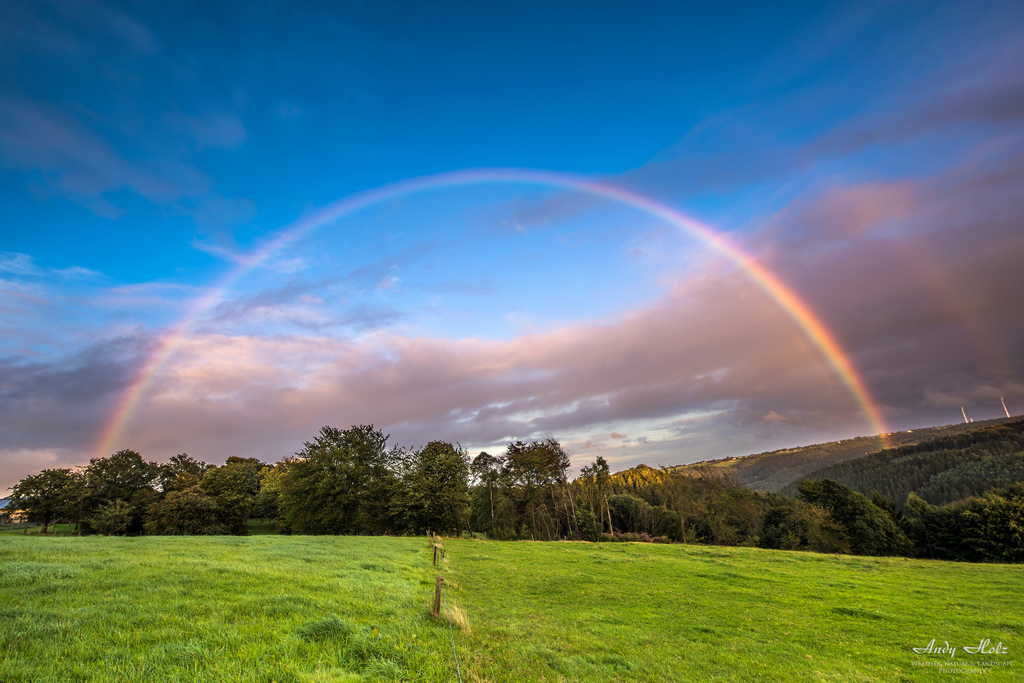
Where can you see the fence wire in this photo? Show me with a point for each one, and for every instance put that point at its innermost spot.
(451, 630)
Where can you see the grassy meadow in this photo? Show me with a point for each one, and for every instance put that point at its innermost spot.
(273, 608)
(221, 608)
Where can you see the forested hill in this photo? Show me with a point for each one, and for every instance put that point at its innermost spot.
(775, 470)
(940, 471)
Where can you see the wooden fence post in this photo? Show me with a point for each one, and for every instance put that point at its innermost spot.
(436, 610)
(435, 555)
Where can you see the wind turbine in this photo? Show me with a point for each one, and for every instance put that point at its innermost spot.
(1004, 407)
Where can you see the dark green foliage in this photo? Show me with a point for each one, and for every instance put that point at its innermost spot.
(120, 476)
(436, 491)
(349, 482)
(985, 529)
(635, 516)
(49, 495)
(340, 483)
(485, 469)
(123, 476)
(181, 472)
(534, 499)
(237, 476)
(265, 503)
(796, 525)
(235, 486)
(592, 489)
(587, 524)
(112, 518)
(190, 512)
(940, 470)
(867, 529)
(710, 506)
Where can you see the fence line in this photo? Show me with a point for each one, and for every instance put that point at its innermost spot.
(442, 592)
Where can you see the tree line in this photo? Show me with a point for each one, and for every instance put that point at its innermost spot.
(939, 471)
(352, 482)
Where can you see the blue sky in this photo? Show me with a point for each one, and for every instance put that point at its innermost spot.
(866, 153)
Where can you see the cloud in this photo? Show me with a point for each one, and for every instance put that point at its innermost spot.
(23, 264)
(78, 164)
(18, 264)
(712, 368)
(51, 410)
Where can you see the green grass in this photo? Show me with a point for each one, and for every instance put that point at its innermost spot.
(627, 612)
(261, 608)
(266, 608)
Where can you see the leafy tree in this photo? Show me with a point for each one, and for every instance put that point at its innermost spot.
(234, 486)
(535, 476)
(868, 529)
(342, 482)
(180, 472)
(190, 512)
(236, 476)
(48, 495)
(265, 504)
(795, 525)
(985, 529)
(112, 518)
(436, 495)
(594, 483)
(485, 469)
(123, 476)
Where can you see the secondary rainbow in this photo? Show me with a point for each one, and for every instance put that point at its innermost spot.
(801, 314)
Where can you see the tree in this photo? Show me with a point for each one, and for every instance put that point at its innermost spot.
(180, 469)
(595, 483)
(868, 529)
(796, 525)
(436, 495)
(234, 486)
(123, 476)
(48, 495)
(190, 512)
(535, 473)
(342, 482)
(265, 504)
(112, 518)
(485, 468)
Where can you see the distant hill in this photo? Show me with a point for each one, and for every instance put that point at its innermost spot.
(941, 470)
(773, 471)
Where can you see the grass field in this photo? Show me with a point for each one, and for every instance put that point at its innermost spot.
(582, 612)
(266, 608)
(260, 608)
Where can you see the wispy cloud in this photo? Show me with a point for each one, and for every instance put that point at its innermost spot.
(76, 163)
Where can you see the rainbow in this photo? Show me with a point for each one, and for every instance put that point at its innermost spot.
(804, 318)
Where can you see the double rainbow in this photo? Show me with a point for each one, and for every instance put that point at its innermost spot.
(804, 318)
